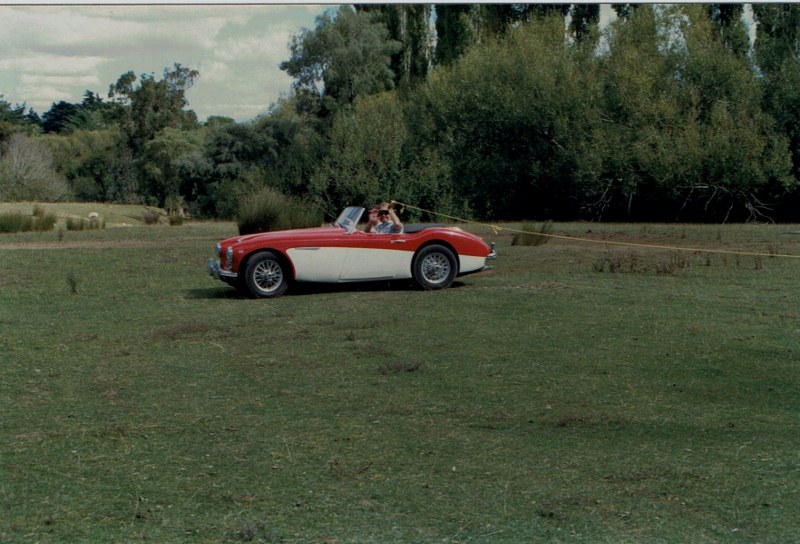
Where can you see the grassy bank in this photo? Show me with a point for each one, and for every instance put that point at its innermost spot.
(553, 399)
(110, 214)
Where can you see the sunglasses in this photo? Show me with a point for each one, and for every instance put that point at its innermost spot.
(383, 212)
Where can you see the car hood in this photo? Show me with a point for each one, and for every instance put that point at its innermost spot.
(294, 234)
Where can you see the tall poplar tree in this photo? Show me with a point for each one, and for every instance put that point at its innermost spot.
(777, 53)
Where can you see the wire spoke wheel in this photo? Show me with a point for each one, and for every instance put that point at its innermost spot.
(435, 267)
(265, 275)
(268, 275)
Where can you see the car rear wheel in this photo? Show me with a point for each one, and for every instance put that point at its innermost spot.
(435, 267)
(265, 275)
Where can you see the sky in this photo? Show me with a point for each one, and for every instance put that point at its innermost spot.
(58, 52)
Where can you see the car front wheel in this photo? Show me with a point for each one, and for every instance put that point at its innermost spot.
(265, 275)
(435, 267)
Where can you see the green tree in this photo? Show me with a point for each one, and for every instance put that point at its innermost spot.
(409, 25)
(513, 136)
(60, 117)
(365, 161)
(153, 105)
(14, 120)
(684, 135)
(347, 55)
(584, 17)
(162, 163)
(93, 162)
(777, 49)
(454, 33)
(299, 147)
(730, 28)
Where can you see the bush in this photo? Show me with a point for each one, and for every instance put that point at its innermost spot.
(80, 223)
(151, 217)
(45, 222)
(530, 238)
(267, 210)
(75, 223)
(16, 222)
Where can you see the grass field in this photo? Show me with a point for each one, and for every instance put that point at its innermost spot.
(110, 214)
(578, 392)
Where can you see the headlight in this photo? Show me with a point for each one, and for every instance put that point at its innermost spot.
(229, 258)
(218, 250)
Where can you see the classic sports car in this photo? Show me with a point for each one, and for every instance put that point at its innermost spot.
(264, 265)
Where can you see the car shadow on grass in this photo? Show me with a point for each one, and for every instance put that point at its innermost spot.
(305, 289)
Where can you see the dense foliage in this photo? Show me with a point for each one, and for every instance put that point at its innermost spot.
(504, 111)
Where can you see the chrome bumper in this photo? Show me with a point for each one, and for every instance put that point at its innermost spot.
(490, 257)
(493, 253)
(216, 272)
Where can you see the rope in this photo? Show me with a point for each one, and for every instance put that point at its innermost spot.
(497, 229)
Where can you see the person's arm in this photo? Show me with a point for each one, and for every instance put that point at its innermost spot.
(397, 224)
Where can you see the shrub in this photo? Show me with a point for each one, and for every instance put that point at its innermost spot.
(80, 223)
(151, 217)
(176, 220)
(15, 222)
(45, 222)
(75, 223)
(267, 209)
(530, 237)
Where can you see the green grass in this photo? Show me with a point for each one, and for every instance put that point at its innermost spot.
(110, 214)
(546, 400)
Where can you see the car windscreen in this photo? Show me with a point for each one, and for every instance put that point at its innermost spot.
(349, 217)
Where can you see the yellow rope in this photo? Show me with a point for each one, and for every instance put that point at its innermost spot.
(497, 229)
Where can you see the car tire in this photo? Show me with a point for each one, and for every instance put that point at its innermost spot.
(434, 267)
(265, 275)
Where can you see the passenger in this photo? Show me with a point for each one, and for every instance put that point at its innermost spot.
(383, 220)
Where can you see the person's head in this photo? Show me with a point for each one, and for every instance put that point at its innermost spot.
(383, 212)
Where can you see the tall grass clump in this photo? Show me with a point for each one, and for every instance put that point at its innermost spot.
(81, 223)
(531, 236)
(151, 217)
(16, 222)
(45, 222)
(266, 210)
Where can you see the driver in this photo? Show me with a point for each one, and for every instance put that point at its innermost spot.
(384, 220)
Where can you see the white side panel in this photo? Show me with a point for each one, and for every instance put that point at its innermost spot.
(322, 264)
(470, 264)
(335, 264)
(376, 264)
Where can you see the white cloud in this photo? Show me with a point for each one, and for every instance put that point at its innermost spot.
(49, 64)
(53, 53)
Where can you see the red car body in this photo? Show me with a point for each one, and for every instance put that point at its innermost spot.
(265, 264)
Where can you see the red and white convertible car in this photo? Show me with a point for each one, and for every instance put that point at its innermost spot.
(264, 265)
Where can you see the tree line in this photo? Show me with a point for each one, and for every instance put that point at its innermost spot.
(518, 111)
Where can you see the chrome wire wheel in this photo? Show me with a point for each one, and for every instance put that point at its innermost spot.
(268, 276)
(435, 268)
(265, 275)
